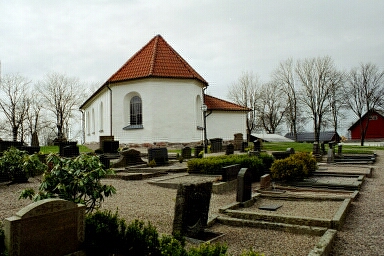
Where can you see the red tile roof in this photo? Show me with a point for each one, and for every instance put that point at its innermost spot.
(214, 103)
(156, 59)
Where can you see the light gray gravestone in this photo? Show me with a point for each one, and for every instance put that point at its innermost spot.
(44, 228)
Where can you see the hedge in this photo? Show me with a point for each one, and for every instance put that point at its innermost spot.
(258, 165)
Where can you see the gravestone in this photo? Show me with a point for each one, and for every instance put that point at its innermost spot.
(160, 155)
(110, 146)
(340, 150)
(238, 140)
(44, 228)
(68, 149)
(198, 149)
(290, 151)
(230, 172)
(330, 156)
(128, 157)
(186, 152)
(191, 209)
(257, 145)
(230, 149)
(216, 145)
(244, 185)
(265, 182)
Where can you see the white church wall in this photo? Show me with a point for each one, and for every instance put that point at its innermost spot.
(168, 110)
(224, 124)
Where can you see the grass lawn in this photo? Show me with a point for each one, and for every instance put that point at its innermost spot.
(55, 149)
(269, 146)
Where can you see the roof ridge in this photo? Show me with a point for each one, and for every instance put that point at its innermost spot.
(154, 52)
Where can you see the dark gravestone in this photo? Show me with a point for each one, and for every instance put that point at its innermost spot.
(160, 155)
(191, 209)
(281, 154)
(68, 149)
(244, 145)
(340, 149)
(257, 145)
(186, 152)
(244, 185)
(198, 149)
(216, 145)
(5, 145)
(290, 151)
(230, 172)
(105, 161)
(230, 149)
(128, 157)
(110, 146)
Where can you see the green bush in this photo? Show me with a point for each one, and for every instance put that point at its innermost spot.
(108, 234)
(17, 166)
(207, 249)
(213, 165)
(295, 167)
(74, 179)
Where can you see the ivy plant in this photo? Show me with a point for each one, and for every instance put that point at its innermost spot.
(74, 179)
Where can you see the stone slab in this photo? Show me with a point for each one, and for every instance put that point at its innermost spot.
(270, 207)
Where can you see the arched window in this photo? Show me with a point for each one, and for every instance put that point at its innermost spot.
(136, 117)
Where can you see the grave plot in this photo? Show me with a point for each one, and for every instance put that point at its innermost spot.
(271, 212)
(333, 181)
(273, 241)
(346, 170)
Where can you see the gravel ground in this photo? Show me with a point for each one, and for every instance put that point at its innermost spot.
(362, 233)
(324, 209)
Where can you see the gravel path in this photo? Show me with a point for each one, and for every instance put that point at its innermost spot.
(362, 233)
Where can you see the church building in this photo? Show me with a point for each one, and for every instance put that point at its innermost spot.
(156, 96)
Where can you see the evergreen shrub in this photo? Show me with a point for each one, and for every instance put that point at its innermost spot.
(295, 167)
(213, 165)
(17, 166)
(108, 234)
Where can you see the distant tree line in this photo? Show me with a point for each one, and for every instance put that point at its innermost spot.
(47, 107)
(306, 90)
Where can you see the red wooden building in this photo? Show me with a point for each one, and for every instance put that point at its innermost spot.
(375, 127)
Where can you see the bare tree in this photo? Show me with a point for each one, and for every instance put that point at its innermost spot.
(318, 78)
(14, 101)
(284, 76)
(61, 96)
(35, 120)
(245, 92)
(336, 100)
(364, 93)
(270, 107)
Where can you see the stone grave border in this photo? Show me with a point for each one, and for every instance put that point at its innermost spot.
(355, 185)
(335, 223)
(218, 187)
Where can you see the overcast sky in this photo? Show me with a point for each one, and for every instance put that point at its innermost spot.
(220, 39)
